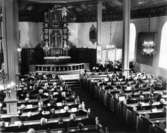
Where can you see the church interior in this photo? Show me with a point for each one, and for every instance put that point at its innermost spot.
(83, 66)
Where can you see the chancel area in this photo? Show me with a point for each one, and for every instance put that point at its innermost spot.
(83, 66)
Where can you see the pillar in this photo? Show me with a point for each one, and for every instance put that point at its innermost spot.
(10, 45)
(126, 33)
(10, 38)
(99, 21)
(99, 25)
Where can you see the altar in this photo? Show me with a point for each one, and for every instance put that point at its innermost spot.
(55, 60)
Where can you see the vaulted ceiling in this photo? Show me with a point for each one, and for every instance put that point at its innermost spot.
(85, 10)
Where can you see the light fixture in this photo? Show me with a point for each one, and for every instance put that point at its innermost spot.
(148, 47)
(19, 49)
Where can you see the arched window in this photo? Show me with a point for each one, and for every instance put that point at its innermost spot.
(163, 47)
(132, 40)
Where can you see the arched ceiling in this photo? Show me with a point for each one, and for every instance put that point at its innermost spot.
(85, 10)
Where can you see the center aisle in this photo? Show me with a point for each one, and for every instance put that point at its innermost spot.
(107, 119)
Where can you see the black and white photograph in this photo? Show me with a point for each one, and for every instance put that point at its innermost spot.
(83, 66)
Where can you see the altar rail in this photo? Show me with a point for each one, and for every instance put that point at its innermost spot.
(60, 69)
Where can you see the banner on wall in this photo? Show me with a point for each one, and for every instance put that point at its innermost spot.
(146, 47)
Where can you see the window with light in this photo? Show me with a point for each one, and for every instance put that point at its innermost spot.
(163, 47)
(132, 41)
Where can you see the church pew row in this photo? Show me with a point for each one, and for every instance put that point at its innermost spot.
(48, 106)
(144, 113)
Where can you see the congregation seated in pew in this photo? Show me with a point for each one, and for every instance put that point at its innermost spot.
(142, 95)
(47, 104)
(111, 67)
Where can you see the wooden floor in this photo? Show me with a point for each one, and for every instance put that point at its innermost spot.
(106, 118)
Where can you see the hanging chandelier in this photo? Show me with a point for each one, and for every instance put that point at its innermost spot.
(148, 47)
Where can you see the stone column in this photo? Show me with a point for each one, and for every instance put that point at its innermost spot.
(99, 25)
(10, 45)
(10, 38)
(126, 33)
